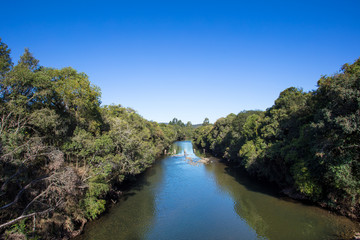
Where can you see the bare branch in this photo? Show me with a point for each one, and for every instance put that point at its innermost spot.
(37, 197)
(25, 216)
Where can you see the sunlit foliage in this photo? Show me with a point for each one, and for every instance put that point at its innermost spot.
(307, 143)
(61, 152)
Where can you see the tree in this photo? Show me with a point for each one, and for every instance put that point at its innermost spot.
(206, 122)
(27, 60)
(5, 59)
(307, 142)
(49, 120)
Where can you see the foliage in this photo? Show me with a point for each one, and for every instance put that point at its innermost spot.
(307, 142)
(93, 206)
(5, 59)
(181, 130)
(206, 122)
(61, 153)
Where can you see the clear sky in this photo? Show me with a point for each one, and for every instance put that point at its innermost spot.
(188, 59)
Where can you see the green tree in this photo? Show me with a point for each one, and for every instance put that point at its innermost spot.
(5, 59)
(206, 122)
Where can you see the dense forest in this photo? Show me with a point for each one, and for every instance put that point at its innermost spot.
(307, 143)
(62, 154)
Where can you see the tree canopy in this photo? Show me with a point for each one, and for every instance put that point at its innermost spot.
(62, 154)
(307, 142)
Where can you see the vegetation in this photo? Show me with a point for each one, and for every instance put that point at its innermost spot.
(307, 142)
(61, 153)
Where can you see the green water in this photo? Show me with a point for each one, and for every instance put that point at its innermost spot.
(176, 200)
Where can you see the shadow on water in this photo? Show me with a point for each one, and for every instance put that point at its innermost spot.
(275, 217)
(134, 213)
(251, 183)
(257, 185)
(135, 184)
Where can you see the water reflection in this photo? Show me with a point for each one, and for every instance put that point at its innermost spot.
(134, 213)
(273, 217)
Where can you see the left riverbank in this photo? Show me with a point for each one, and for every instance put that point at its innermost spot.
(62, 154)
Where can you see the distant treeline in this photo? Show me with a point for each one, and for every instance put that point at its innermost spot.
(61, 153)
(308, 143)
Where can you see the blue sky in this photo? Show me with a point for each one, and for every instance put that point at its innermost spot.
(188, 59)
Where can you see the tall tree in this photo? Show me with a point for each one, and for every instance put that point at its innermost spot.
(5, 59)
(206, 122)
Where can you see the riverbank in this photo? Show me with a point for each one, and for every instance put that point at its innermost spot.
(116, 194)
(61, 153)
(306, 142)
(293, 196)
(175, 200)
(290, 194)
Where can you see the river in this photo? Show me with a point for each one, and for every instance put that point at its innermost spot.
(177, 200)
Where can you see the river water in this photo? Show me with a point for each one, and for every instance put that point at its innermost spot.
(177, 200)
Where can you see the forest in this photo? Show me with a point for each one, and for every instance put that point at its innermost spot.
(62, 154)
(307, 143)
